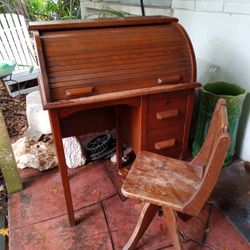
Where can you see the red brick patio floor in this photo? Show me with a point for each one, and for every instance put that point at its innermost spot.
(105, 219)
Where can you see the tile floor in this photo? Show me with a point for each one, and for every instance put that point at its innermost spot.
(105, 219)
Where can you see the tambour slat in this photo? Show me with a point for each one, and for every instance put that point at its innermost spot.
(115, 58)
(102, 63)
(147, 70)
(115, 79)
(116, 54)
(136, 33)
(59, 92)
(110, 66)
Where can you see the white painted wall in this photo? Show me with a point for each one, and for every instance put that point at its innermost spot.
(224, 40)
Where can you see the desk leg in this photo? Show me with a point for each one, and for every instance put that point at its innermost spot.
(55, 124)
(118, 139)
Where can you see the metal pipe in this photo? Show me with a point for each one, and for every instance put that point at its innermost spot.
(142, 8)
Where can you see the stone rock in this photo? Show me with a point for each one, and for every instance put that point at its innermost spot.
(38, 155)
(38, 119)
(73, 152)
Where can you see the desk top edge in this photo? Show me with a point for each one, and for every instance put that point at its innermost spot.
(100, 23)
(114, 96)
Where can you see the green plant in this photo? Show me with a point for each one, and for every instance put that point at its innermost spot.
(42, 9)
(109, 12)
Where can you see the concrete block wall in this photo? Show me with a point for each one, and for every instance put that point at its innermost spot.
(91, 9)
(219, 31)
(221, 6)
(146, 2)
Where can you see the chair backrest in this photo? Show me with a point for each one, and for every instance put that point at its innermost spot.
(211, 156)
(15, 41)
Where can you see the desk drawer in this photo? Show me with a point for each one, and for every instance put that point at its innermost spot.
(165, 141)
(166, 110)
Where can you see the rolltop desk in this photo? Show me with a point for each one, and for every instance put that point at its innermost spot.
(135, 74)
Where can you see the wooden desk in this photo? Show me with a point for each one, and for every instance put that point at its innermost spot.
(133, 74)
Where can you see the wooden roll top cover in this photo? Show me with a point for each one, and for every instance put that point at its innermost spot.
(87, 59)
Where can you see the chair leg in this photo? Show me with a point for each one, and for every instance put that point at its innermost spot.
(172, 223)
(146, 216)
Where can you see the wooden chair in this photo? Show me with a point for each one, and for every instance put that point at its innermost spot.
(175, 185)
(15, 44)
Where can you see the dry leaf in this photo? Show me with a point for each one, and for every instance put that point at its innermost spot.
(99, 195)
(53, 190)
(4, 231)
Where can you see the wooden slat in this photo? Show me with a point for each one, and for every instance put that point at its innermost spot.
(10, 40)
(3, 52)
(27, 39)
(153, 77)
(163, 68)
(113, 96)
(22, 39)
(14, 40)
(116, 59)
(116, 54)
(19, 44)
(6, 47)
(102, 66)
(111, 47)
(97, 23)
(94, 37)
(115, 86)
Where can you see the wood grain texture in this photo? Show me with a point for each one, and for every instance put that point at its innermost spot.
(56, 130)
(179, 185)
(96, 23)
(114, 55)
(147, 214)
(161, 180)
(132, 74)
(171, 219)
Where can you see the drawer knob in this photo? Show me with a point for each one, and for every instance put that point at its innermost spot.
(167, 114)
(79, 91)
(165, 144)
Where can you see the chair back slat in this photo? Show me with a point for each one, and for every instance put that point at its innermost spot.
(15, 41)
(26, 39)
(3, 52)
(219, 127)
(7, 32)
(18, 44)
(5, 49)
(211, 156)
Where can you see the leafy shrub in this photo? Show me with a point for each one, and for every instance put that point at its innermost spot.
(36, 10)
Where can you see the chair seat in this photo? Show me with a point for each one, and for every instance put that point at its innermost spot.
(161, 180)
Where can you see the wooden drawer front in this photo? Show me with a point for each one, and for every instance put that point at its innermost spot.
(165, 141)
(166, 110)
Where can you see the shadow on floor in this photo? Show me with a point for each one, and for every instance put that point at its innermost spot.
(232, 196)
(105, 219)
